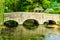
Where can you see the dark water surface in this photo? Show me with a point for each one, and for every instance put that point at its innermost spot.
(21, 33)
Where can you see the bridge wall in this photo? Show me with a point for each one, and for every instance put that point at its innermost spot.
(20, 17)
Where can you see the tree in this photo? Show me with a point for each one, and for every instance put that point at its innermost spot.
(1, 12)
(28, 5)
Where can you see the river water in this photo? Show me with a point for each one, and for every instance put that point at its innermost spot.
(40, 33)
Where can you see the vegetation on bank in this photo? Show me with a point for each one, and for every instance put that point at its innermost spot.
(49, 6)
(1, 12)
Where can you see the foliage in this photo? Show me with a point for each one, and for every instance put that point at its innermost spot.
(10, 5)
(29, 5)
(1, 12)
(55, 8)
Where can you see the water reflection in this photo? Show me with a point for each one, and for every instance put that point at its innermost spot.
(40, 33)
(52, 33)
(52, 37)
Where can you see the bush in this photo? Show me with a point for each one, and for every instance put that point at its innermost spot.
(10, 23)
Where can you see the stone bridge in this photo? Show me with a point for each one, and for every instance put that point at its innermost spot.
(20, 17)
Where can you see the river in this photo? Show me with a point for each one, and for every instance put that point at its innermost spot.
(40, 33)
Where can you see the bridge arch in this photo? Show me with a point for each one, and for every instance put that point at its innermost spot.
(30, 23)
(49, 22)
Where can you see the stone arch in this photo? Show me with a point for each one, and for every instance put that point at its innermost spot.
(11, 23)
(49, 22)
(30, 24)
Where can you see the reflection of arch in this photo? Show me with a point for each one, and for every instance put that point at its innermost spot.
(30, 23)
(49, 22)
